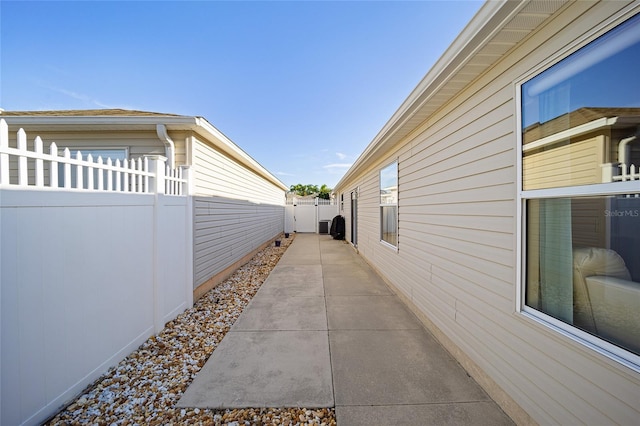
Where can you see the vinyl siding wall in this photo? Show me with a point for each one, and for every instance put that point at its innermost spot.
(236, 212)
(456, 263)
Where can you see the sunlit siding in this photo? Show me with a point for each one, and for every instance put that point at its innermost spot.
(236, 211)
(572, 164)
(217, 174)
(456, 261)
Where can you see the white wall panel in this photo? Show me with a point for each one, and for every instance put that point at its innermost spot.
(85, 279)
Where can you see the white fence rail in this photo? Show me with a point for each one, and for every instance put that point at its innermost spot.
(627, 173)
(294, 201)
(40, 170)
(621, 172)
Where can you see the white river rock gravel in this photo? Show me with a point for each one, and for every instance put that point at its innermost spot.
(144, 387)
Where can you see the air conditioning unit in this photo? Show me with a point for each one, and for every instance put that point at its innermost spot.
(323, 226)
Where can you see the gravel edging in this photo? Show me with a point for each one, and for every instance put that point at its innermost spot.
(144, 387)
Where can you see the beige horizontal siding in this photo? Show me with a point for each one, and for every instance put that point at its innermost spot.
(219, 175)
(577, 163)
(226, 230)
(456, 260)
(236, 211)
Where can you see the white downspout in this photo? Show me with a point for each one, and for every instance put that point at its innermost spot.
(169, 146)
(623, 149)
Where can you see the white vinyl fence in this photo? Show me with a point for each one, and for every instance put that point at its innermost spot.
(36, 169)
(620, 172)
(310, 215)
(88, 271)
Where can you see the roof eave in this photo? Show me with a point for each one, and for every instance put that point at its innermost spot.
(211, 133)
(488, 22)
(198, 125)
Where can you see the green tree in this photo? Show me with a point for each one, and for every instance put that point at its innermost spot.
(299, 189)
(325, 192)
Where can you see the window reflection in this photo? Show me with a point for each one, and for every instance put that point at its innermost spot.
(581, 126)
(581, 118)
(389, 204)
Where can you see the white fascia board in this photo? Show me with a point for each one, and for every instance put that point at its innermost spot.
(582, 129)
(461, 50)
(61, 123)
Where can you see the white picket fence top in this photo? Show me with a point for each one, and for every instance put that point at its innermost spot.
(627, 173)
(147, 174)
(310, 201)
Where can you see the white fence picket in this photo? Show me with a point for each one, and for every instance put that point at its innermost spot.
(39, 162)
(53, 166)
(79, 170)
(4, 156)
(625, 173)
(132, 175)
(23, 176)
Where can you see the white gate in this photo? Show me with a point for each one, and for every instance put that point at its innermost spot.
(305, 215)
(305, 218)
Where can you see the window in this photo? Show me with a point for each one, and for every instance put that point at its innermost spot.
(112, 153)
(580, 193)
(389, 204)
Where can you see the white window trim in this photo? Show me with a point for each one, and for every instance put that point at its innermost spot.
(88, 149)
(594, 343)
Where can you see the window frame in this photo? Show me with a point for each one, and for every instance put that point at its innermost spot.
(382, 205)
(595, 343)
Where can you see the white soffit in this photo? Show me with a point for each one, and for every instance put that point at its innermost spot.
(493, 31)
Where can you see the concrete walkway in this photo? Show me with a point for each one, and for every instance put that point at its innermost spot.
(324, 330)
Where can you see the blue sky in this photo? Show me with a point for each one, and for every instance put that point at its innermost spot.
(302, 86)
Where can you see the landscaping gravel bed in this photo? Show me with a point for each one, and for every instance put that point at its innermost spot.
(144, 388)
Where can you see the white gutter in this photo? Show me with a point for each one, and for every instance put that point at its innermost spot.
(169, 146)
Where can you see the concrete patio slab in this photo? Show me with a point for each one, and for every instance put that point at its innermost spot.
(266, 312)
(265, 369)
(483, 413)
(352, 280)
(373, 367)
(307, 251)
(294, 281)
(369, 313)
(323, 331)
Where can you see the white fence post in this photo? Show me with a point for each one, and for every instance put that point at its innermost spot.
(187, 188)
(157, 168)
(608, 170)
